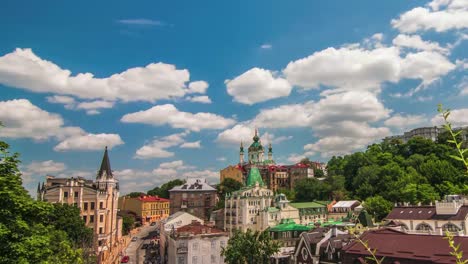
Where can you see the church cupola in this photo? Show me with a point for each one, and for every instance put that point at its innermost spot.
(256, 151)
(270, 152)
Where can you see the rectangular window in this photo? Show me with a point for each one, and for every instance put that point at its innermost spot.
(101, 205)
(213, 244)
(222, 243)
(91, 218)
(92, 205)
(100, 230)
(194, 260)
(76, 194)
(195, 246)
(85, 206)
(181, 260)
(101, 218)
(85, 218)
(65, 194)
(213, 259)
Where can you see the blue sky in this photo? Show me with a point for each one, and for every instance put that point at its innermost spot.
(172, 88)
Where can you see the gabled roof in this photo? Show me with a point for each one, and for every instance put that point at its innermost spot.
(149, 198)
(396, 244)
(425, 213)
(345, 204)
(289, 225)
(105, 171)
(194, 184)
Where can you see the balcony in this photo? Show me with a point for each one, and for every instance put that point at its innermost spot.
(182, 250)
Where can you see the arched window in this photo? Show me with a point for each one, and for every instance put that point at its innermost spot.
(450, 227)
(423, 227)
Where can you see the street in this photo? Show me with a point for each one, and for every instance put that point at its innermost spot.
(134, 249)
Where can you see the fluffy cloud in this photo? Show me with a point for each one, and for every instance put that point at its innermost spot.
(458, 118)
(195, 144)
(211, 176)
(345, 68)
(405, 122)
(257, 85)
(244, 132)
(198, 87)
(355, 68)
(91, 107)
(158, 147)
(170, 115)
(438, 15)
(266, 46)
(22, 119)
(89, 142)
(45, 167)
(199, 99)
(24, 69)
(415, 42)
(67, 101)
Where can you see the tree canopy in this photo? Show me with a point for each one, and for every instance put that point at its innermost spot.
(33, 231)
(163, 190)
(250, 247)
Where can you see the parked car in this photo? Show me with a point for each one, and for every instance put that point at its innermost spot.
(134, 238)
(125, 259)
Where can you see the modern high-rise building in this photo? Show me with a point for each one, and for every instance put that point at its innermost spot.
(97, 201)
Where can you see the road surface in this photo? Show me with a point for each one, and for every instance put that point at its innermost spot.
(134, 250)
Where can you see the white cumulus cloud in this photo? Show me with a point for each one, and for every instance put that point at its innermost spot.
(257, 85)
(89, 142)
(168, 114)
(458, 118)
(438, 15)
(158, 147)
(24, 69)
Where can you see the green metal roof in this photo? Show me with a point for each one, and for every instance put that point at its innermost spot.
(254, 177)
(307, 205)
(289, 225)
(272, 209)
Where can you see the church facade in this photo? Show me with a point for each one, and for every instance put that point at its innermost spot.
(274, 176)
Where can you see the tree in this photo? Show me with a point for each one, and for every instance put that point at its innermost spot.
(127, 224)
(228, 185)
(135, 194)
(250, 247)
(290, 194)
(67, 218)
(310, 189)
(378, 207)
(163, 190)
(318, 173)
(26, 233)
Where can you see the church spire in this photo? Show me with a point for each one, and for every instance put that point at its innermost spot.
(105, 170)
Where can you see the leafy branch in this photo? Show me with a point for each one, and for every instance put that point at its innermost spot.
(456, 252)
(462, 152)
(356, 233)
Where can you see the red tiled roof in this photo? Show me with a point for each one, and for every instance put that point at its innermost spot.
(396, 244)
(425, 213)
(149, 198)
(197, 228)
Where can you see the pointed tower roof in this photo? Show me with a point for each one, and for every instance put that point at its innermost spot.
(105, 170)
(241, 146)
(254, 177)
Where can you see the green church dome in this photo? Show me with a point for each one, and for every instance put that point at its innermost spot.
(254, 177)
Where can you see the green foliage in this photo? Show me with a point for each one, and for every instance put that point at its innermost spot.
(456, 252)
(462, 153)
(163, 190)
(310, 189)
(228, 185)
(250, 247)
(127, 224)
(290, 194)
(28, 231)
(134, 194)
(417, 171)
(378, 207)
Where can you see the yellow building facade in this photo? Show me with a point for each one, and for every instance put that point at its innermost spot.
(148, 208)
(233, 172)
